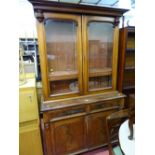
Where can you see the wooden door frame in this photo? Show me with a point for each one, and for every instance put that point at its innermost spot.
(85, 21)
(43, 53)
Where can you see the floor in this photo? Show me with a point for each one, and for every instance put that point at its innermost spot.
(97, 152)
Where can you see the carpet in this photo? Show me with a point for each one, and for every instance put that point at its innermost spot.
(97, 152)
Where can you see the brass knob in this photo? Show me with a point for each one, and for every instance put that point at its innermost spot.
(46, 125)
(52, 70)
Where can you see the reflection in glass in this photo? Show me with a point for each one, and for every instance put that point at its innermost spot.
(99, 82)
(100, 37)
(61, 39)
(64, 87)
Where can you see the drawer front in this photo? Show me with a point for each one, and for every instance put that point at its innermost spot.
(112, 104)
(64, 113)
(28, 109)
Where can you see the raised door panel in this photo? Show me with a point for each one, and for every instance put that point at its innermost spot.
(69, 135)
(100, 53)
(62, 67)
(97, 128)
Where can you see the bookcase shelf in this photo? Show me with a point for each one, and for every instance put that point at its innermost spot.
(128, 87)
(129, 68)
(62, 75)
(68, 75)
(100, 72)
(126, 69)
(130, 50)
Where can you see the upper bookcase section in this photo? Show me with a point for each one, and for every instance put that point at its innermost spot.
(41, 6)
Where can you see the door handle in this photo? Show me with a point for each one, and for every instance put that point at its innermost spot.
(30, 98)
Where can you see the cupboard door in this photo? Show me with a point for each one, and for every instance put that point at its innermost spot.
(63, 55)
(97, 128)
(100, 50)
(69, 135)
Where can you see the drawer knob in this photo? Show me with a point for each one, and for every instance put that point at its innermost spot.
(46, 125)
(30, 97)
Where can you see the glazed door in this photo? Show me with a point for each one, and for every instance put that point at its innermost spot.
(100, 47)
(62, 39)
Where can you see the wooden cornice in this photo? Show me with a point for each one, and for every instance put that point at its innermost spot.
(50, 6)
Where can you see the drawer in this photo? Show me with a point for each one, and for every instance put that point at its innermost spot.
(30, 140)
(64, 113)
(28, 109)
(105, 105)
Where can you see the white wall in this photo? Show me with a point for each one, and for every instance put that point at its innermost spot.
(27, 21)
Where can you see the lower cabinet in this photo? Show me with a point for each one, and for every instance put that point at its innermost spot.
(79, 128)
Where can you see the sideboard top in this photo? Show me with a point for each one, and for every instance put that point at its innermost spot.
(51, 6)
(87, 99)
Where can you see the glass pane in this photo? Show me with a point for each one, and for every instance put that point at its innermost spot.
(100, 37)
(61, 54)
(99, 82)
(64, 87)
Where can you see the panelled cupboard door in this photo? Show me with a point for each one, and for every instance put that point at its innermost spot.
(100, 53)
(97, 128)
(67, 136)
(61, 57)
